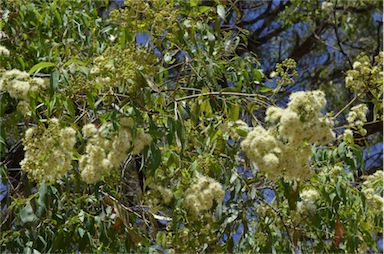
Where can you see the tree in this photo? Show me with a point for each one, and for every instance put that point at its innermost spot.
(155, 128)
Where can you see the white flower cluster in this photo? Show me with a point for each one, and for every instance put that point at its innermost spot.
(4, 51)
(236, 129)
(308, 200)
(365, 76)
(285, 148)
(200, 196)
(48, 151)
(357, 118)
(373, 190)
(19, 84)
(327, 6)
(104, 152)
(166, 194)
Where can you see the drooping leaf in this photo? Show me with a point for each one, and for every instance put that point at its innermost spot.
(40, 66)
(221, 11)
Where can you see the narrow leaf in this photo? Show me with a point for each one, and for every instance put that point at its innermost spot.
(40, 66)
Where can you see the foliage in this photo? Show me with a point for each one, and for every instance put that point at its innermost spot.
(144, 139)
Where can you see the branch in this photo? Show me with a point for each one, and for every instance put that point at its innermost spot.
(267, 13)
(224, 94)
(335, 27)
(345, 107)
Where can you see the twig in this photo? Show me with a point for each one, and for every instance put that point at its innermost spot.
(368, 123)
(345, 107)
(223, 94)
(338, 39)
(282, 221)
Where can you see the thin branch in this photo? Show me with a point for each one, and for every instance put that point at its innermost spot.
(345, 107)
(335, 27)
(224, 94)
(366, 124)
(278, 213)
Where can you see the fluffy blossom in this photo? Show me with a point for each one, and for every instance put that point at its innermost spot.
(201, 194)
(308, 200)
(373, 190)
(19, 85)
(142, 140)
(327, 6)
(347, 135)
(89, 130)
(285, 148)
(105, 150)
(236, 129)
(4, 51)
(357, 118)
(48, 151)
(364, 76)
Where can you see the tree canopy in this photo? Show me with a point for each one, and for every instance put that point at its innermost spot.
(191, 126)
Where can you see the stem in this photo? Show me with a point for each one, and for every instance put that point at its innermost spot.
(345, 107)
(224, 94)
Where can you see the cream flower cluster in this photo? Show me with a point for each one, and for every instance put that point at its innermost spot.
(308, 200)
(327, 6)
(4, 51)
(286, 71)
(357, 118)
(373, 190)
(236, 129)
(116, 66)
(284, 149)
(48, 151)
(200, 196)
(104, 152)
(19, 85)
(166, 194)
(365, 76)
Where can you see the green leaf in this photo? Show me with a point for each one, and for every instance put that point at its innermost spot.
(265, 89)
(258, 74)
(155, 157)
(210, 36)
(167, 57)
(73, 61)
(41, 202)
(341, 149)
(232, 218)
(234, 112)
(221, 11)
(81, 232)
(40, 66)
(54, 80)
(203, 9)
(69, 106)
(27, 214)
(194, 3)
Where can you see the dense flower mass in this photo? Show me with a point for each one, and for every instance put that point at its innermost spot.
(364, 76)
(308, 200)
(236, 129)
(48, 151)
(4, 51)
(19, 85)
(201, 194)
(357, 118)
(106, 149)
(373, 190)
(156, 16)
(117, 66)
(285, 148)
(327, 6)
